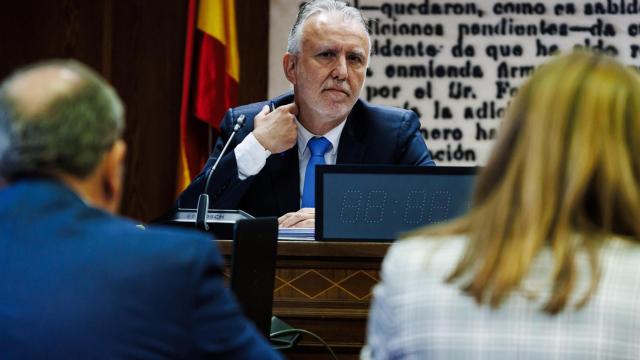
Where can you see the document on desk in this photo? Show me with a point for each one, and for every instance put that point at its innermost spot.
(306, 234)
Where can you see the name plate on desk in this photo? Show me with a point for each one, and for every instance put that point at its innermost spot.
(213, 216)
(221, 222)
(377, 203)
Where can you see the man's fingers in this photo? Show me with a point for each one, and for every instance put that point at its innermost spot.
(309, 223)
(290, 108)
(264, 111)
(296, 219)
(284, 217)
(259, 116)
(290, 221)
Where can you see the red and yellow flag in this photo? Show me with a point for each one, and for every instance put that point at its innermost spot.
(214, 81)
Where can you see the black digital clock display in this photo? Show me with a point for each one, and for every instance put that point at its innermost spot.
(380, 202)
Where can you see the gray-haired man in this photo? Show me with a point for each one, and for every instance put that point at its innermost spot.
(270, 171)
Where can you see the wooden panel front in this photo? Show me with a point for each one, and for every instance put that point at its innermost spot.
(325, 288)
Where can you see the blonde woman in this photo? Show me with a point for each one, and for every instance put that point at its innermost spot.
(546, 264)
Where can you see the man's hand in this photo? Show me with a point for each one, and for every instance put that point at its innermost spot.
(276, 130)
(305, 217)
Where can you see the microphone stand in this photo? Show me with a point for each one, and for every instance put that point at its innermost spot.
(203, 199)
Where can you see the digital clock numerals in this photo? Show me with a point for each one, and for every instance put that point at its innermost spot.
(350, 209)
(437, 211)
(374, 211)
(440, 206)
(414, 212)
(414, 207)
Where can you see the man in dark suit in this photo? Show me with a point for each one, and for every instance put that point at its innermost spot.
(77, 282)
(270, 165)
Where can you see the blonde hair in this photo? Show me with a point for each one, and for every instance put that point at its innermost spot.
(564, 174)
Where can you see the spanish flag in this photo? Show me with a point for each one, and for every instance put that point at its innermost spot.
(212, 87)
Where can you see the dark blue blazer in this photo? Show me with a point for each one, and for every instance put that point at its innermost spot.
(371, 135)
(78, 283)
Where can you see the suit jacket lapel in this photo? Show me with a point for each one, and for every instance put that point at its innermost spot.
(351, 149)
(285, 174)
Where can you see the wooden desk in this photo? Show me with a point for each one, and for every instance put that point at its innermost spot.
(325, 287)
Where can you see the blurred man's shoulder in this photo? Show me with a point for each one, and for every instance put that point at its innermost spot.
(158, 236)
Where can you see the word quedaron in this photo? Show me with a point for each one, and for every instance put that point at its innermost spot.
(427, 7)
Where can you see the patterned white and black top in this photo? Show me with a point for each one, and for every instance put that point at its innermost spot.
(416, 315)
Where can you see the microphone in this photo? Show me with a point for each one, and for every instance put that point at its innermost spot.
(203, 199)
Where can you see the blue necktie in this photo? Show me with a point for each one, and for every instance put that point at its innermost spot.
(317, 146)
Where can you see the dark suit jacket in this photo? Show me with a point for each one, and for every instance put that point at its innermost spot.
(371, 135)
(78, 283)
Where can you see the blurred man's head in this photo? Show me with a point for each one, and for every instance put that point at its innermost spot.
(61, 119)
(326, 60)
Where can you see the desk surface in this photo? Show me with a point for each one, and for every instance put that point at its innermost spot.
(325, 287)
(312, 248)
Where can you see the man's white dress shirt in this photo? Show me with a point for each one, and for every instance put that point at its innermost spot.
(251, 156)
